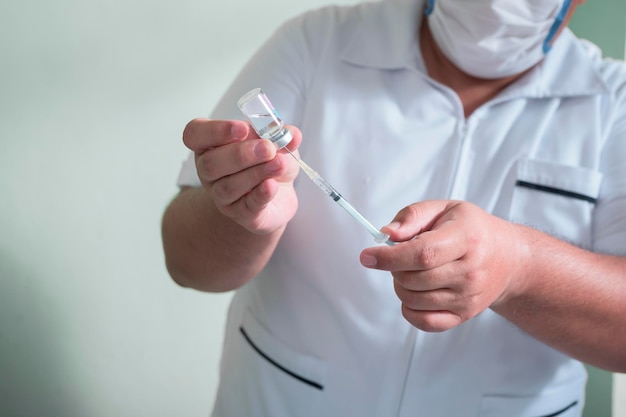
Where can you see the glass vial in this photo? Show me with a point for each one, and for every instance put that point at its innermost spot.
(264, 118)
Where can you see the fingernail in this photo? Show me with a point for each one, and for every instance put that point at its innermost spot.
(368, 260)
(393, 225)
(262, 151)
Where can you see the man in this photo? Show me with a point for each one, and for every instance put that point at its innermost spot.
(490, 140)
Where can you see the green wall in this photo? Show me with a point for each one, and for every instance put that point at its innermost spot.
(599, 398)
(604, 23)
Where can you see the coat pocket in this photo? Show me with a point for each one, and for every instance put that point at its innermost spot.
(556, 199)
(266, 377)
(564, 401)
(304, 369)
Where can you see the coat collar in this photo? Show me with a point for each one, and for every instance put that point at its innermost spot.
(386, 38)
(571, 68)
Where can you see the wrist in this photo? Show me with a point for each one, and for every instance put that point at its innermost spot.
(522, 260)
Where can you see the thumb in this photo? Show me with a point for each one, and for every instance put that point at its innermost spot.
(417, 218)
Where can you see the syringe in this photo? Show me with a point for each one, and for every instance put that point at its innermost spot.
(379, 236)
(268, 124)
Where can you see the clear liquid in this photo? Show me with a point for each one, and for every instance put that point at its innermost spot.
(265, 125)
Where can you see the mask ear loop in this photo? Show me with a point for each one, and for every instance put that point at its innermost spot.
(430, 5)
(547, 44)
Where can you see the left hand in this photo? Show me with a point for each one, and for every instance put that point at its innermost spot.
(455, 261)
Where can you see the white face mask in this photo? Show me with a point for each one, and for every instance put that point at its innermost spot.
(495, 38)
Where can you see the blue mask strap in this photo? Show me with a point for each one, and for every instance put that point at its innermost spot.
(556, 26)
(430, 5)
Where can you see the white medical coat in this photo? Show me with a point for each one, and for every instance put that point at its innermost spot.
(316, 334)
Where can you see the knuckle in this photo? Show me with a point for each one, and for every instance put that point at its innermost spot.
(426, 257)
(222, 190)
(415, 210)
(474, 278)
(475, 237)
(260, 196)
(466, 301)
(209, 170)
(242, 155)
(412, 211)
(405, 279)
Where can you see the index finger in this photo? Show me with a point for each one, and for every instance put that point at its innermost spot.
(203, 134)
(428, 250)
(417, 218)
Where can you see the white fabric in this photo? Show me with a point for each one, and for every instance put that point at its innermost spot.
(493, 38)
(385, 135)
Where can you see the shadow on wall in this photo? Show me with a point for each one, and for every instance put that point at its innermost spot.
(33, 370)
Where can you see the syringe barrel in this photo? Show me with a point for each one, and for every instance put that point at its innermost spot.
(264, 118)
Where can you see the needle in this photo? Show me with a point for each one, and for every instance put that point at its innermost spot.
(329, 190)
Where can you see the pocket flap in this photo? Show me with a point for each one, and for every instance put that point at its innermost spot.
(571, 181)
(306, 368)
(563, 401)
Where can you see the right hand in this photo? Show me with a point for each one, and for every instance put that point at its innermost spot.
(246, 178)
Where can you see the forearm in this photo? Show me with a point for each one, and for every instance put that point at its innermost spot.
(207, 251)
(571, 299)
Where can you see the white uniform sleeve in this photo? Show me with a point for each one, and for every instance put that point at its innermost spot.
(610, 213)
(188, 176)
